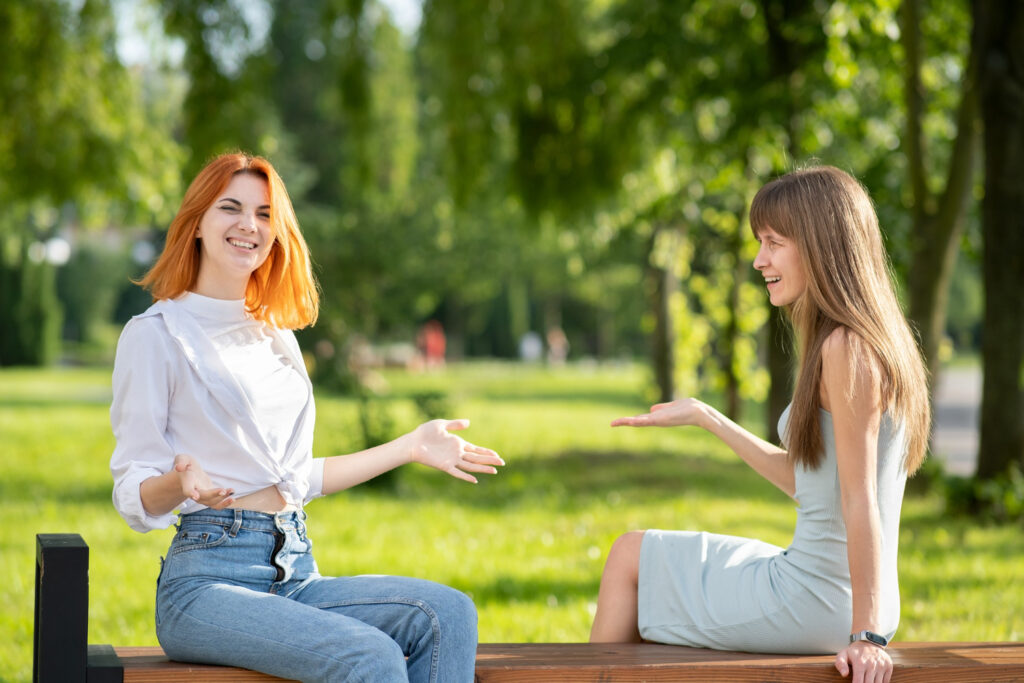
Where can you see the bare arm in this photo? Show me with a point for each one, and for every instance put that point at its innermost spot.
(851, 391)
(768, 460)
(431, 444)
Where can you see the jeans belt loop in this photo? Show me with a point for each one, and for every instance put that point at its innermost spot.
(237, 524)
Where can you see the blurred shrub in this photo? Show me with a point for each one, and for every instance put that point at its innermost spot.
(30, 314)
(88, 286)
(996, 500)
(377, 427)
(433, 405)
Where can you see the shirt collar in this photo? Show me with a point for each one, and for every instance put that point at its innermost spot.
(221, 310)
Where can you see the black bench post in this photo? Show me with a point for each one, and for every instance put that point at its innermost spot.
(62, 609)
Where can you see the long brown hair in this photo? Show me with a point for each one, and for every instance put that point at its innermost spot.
(832, 221)
(282, 291)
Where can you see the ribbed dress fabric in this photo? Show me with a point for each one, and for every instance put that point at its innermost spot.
(730, 593)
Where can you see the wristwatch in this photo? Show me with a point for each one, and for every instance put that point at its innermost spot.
(871, 637)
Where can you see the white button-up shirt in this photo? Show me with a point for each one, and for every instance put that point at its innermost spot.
(173, 394)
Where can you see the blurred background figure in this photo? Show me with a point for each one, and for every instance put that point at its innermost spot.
(558, 346)
(431, 342)
(530, 347)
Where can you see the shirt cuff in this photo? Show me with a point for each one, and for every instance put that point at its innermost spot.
(128, 501)
(316, 479)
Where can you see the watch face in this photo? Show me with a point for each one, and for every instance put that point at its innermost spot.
(875, 638)
(870, 637)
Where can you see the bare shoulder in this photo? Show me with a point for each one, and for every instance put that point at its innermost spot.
(850, 369)
(837, 344)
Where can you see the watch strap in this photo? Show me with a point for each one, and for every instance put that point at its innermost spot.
(869, 636)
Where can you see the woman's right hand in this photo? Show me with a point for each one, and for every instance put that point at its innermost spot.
(196, 484)
(686, 411)
(437, 447)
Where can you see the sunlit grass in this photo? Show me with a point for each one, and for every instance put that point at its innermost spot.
(528, 545)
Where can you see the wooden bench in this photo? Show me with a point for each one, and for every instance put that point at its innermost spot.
(62, 655)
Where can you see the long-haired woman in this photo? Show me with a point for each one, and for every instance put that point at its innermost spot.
(213, 415)
(856, 427)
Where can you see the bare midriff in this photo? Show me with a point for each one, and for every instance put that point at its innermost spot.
(267, 500)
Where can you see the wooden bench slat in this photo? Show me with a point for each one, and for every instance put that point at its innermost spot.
(579, 662)
(151, 665)
(584, 662)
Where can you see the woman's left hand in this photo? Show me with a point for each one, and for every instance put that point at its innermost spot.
(864, 663)
(434, 445)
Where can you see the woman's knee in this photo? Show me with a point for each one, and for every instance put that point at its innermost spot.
(368, 655)
(453, 608)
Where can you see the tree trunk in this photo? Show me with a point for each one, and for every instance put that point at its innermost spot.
(1000, 29)
(662, 283)
(938, 221)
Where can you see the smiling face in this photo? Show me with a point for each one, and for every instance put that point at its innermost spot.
(779, 262)
(236, 237)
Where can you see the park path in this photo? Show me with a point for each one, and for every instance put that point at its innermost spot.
(957, 404)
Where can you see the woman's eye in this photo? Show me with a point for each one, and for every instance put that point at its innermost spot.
(265, 216)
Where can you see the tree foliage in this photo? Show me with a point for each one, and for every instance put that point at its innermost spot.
(77, 147)
(510, 167)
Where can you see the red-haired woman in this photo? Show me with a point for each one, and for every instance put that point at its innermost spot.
(858, 424)
(213, 416)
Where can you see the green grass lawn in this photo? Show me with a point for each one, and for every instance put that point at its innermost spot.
(528, 544)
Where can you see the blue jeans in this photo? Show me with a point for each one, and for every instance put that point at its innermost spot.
(241, 588)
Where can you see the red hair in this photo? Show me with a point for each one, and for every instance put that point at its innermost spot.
(282, 291)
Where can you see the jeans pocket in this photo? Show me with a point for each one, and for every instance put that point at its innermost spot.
(197, 537)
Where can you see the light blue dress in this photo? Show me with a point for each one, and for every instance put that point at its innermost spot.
(729, 593)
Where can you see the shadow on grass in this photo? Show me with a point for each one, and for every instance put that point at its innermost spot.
(574, 479)
(509, 589)
(42, 403)
(17, 488)
(616, 399)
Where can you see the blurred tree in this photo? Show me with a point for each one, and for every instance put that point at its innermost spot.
(73, 131)
(508, 116)
(342, 77)
(619, 87)
(999, 32)
(543, 118)
(226, 106)
(29, 311)
(938, 218)
(86, 308)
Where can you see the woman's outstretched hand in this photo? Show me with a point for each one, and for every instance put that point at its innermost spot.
(686, 411)
(435, 445)
(196, 484)
(864, 663)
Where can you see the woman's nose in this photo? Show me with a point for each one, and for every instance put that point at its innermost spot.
(761, 260)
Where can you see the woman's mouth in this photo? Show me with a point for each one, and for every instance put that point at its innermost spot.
(241, 244)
